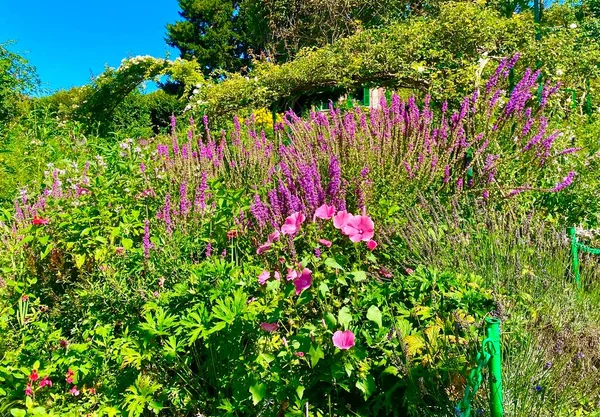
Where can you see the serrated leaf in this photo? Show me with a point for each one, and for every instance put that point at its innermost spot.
(374, 314)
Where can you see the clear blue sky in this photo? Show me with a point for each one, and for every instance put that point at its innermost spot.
(68, 40)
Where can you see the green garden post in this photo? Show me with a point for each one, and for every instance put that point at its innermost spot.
(366, 97)
(574, 256)
(492, 330)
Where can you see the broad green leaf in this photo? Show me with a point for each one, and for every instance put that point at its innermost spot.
(300, 391)
(315, 355)
(258, 391)
(359, 276)
(127, 243)
(374, 314)
(344, 317)
(331, 262)
(17, 412)
(330, 320)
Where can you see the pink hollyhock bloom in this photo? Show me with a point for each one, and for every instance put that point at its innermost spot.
(325, 242)
(269, 327)
(74, 391)
(277, 276)
(29, 390)
(303, 281)
(263, 277)
(343, 340)
(371, 244)
(292, 224)
(45, 382)
(273, 237)
(263, 248)
(359, 228)
(292, 275)
(341, 219)
(34, 375)
(325, 212)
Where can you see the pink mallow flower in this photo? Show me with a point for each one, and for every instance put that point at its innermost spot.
(359, 228)
(29, 390)
(325, 242)
(292, 224)
(325, 212)
(292, 275)
(273, 237)
(263, 248)
(371, 244)
(74, 391)
(341, 219)
(303, 281)
(263, 277)
(343, 340)
(269, 327)
(45, 382)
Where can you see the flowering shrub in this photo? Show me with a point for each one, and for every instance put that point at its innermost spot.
(239, 274)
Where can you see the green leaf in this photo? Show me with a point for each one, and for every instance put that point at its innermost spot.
(300, 391)
(359, 276)
(79, 260)
(16, 412)
(344, 317)
(374, 314)
(330, 320)
(323, 289)
(258, 391)
(331, 262)
(127, 243)
(367, 386)
(315, 355)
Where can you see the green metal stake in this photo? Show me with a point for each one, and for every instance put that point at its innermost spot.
(574, 256)
(492, 330)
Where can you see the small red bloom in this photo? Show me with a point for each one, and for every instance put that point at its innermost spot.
(25, 298)
(39, 221)
(34, 375)
(120, 250)
(29, 390)
(232, 234)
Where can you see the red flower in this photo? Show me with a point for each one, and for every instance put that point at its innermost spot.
(29, 390)
(45, 382)
(34, 375)
(39, 221)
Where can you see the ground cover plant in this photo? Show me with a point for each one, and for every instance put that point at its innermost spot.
(340, 263)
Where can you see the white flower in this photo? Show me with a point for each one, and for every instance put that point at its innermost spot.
(196, 91)
(560, 72)
(188, 107)
(124, 145)
(137, 149)
(573, 25)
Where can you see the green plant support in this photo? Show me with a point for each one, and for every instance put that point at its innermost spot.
(492, 330)
(574, 256)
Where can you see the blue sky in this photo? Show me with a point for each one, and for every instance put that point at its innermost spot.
(68, 40)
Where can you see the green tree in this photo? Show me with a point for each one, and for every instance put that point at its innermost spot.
(215, 33)
(17, 78)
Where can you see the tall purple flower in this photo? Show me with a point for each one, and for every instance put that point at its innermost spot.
(567, 181)
(260, 211)
(200, 199)
(184, 203)
(147, 244)
(335, 174)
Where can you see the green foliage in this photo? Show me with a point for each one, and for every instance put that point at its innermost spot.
(17, 78)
